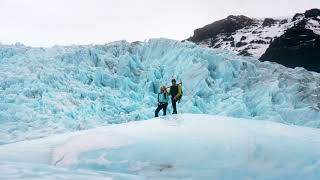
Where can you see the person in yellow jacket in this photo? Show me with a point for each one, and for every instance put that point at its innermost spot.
(175, 92)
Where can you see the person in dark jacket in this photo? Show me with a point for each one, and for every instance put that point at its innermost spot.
(162, 101)
(175, 92)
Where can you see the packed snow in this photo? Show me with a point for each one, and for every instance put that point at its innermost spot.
(187, 146)
(45, 91)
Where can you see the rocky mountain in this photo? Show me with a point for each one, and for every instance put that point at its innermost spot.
(291, 41)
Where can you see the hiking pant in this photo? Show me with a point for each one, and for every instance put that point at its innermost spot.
(161, 106)
(174, 106)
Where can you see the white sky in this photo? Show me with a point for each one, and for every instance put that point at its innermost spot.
(49, 22)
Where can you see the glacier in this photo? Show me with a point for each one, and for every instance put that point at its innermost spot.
(184, 146)
(86, 112)
(46, 91)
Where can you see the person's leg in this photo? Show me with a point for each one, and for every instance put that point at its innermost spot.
(157, 110)
(174, 106)
(165, 109)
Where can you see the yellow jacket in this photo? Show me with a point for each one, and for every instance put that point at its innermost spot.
(179, 91)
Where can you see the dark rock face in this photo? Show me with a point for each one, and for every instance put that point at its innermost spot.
(239, 44)
(268, 22)
(312, 13)
(228, 25)
(259, 42)
(297, 16)
(298, 47)
(293, 42)
(284, 21)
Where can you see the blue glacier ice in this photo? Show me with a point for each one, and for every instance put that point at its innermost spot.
(73, 112)
(187, 146)
(45, 91)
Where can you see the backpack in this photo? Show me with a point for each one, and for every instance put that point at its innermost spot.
(179, 98)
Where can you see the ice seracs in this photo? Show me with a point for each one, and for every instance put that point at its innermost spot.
(46, 91)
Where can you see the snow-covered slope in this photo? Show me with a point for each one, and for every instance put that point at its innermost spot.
(299, 46)
(252, 37)
(176, 147)
(252, 40)
(46, 91)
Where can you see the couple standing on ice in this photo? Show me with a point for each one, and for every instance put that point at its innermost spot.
(175, 92)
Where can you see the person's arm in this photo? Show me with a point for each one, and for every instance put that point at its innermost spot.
(168, 92)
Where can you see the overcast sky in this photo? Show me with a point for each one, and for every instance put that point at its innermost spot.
(49, 22)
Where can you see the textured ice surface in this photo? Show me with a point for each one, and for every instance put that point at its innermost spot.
(46, 91)
(176, 147)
